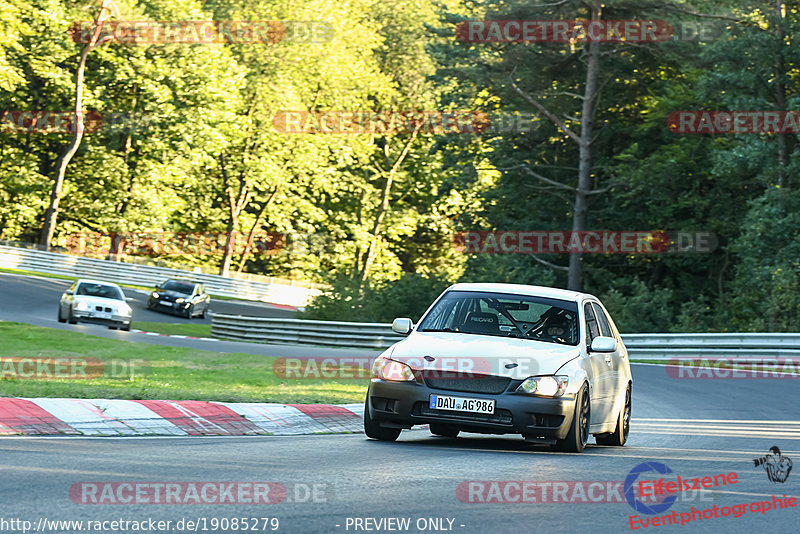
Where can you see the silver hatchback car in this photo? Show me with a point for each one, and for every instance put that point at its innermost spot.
(545, 363)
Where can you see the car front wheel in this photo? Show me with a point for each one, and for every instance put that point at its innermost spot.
(578, 433)
(620, 434)
(374, 430)
(71, 319)
(60, 318)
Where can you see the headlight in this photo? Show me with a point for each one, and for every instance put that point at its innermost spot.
(154, 294)
(180, 300)
(546, 386)
(392, 370)
(82, 306)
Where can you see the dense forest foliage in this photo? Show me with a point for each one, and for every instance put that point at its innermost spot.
(191, 141)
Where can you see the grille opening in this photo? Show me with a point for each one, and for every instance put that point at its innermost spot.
(500, 417)
(466, 382)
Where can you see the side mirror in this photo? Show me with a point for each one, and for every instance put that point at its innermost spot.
(129, 299)
(402, 325)
(68, 292)
(604, 344)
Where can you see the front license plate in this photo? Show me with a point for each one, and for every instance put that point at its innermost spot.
(102, 315)
(165, 303)
(461, 404)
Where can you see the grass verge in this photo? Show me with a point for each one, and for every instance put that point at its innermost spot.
(174, 329)
(172, 373)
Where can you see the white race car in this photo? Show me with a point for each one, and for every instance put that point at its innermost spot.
(545, 363)
(95, 302)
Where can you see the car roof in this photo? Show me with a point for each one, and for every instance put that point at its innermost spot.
(88, 281)
(521, 289)
(185, 280)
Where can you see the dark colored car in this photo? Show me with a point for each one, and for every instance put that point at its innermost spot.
(181, 297)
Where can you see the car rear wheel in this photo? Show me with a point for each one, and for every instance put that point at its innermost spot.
(438, 429)
(578, 433)
(374, 430)
(620, 434)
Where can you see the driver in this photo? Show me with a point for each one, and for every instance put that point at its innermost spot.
(557, 328)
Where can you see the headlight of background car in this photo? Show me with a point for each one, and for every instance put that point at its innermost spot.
(180, 300)
(392, 370)
(546, 386)
(154, 294)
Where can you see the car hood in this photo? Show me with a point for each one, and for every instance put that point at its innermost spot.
(100, 301)
(173, 294)
(482, 354)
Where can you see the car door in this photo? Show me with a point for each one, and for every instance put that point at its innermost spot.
(617, 378)
(601, 368)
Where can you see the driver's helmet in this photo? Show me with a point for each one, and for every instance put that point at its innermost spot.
(558, 327)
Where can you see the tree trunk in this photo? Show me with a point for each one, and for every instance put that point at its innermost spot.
(575, 275)
(248, 245)
(51, 216)
(785, 141)
(377, 230)
(235, 205)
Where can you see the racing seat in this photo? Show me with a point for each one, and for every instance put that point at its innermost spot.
(482, 323)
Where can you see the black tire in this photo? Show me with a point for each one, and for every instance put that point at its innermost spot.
(71, 319)
(203, 314)
(620, 434)
(126, 328)
(190, 311)
(60, 318)
(374, 430)
(112, 327)
(438, 429)
(578, 434)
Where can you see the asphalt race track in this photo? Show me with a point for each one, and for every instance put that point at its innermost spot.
(346, 483)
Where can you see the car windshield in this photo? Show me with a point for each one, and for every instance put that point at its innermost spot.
(100, 290)
(177, 287)
(498, 314)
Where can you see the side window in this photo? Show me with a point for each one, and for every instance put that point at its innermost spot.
(592, 330)
(605, 328)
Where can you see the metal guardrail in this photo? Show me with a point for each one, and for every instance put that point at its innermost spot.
(298, 331)
(658, 347)
(147, 275)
